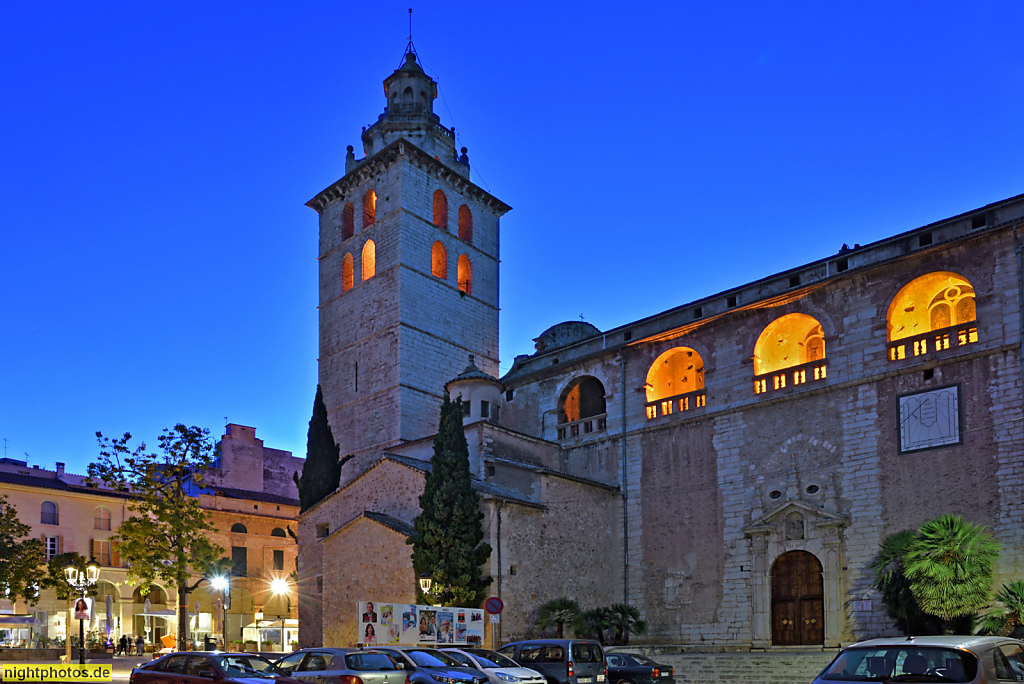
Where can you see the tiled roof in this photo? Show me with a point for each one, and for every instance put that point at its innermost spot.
(54, 483)
(266, 497)
(482, 487)
(391, 522)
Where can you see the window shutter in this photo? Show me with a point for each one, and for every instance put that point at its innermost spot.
(60, 544)
(96, 550)
(43, 537)
(115, 557)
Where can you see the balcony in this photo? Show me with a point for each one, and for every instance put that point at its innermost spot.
(808, 373)
(583, 426)
(680, 403)
(934, 341)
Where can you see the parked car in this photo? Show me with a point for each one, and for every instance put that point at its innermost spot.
(499, 669)
(961, 659)
(430, 666)
(342, 665)
(630, 668)
(209, 666)
(561, 661)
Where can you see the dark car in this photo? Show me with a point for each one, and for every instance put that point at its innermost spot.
(430, 666)
(209, 666)
(342, 666)
(630, 668)
(561, 661)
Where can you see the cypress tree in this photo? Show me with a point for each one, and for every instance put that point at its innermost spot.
(321, 473)
(448, 542)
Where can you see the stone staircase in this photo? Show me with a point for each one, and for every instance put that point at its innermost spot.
(774, 667)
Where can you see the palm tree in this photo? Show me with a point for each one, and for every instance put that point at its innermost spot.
(889, 578)
(593, 623)
(950, 566)
(1006, 619)
(625, 620)
(556, 612)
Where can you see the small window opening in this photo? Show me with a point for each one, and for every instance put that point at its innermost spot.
(369, 260)
(731, 301)
(794, 281)
(842, 264)
(347, 272)
(554, 361)
(627, 336)
(322, 530)
(369, 208)
(466, 408)
(511, 569)
(439, 261)
(929, 373)
(508, 395)
(440, 210)
(485, 409)
(465, 274)
(812, 489)
(978, 221)
(775, 494)
(465, 224)
(319, 584)
(924, 240)
(355, 375)
(490, 471)
(348, 221)
(698, 312)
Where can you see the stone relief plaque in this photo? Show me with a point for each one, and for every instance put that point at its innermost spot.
(929, 419)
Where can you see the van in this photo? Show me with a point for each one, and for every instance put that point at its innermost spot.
(561, 661)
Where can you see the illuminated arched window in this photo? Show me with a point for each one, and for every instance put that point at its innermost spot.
(369, 260)
(48, 514)
(440, 210)
(347, 272)
(792, 341)
(439, 261)
(348, 221)
(101, 518)
(465, 224)
(465, 274)
(929, 303)
(369, 208)
(672, 380)
(582, 403)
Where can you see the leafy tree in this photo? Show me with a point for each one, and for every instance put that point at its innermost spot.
(593, 624)
(890, 579)
(165, 538)
(557, 612)
(448, 540)
(20, 555)
(55, 579)
(321, 472)
(950, 566)
(625, 619)
(1007, 617)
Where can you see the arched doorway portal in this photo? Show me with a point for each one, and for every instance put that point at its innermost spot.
(798, 615)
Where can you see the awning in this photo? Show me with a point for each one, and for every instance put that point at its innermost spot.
(271, 624)
(159, 613)
(8, 621)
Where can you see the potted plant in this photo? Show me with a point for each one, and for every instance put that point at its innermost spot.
(250, 645)
(267, 645)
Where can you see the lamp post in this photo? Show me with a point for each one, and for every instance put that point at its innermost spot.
(223, 585)
(258, 616)
(425, 581)
(278, 587)
(80, 582)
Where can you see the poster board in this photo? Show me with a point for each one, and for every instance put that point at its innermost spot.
(409, 624)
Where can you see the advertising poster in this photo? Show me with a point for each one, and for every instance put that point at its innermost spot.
(83, 609)
(418, 625)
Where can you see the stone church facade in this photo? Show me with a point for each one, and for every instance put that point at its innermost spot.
(728, 466)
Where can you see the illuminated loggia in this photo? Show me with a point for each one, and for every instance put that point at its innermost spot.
(581, 408)
(675, 382)
(439, 260)
(369, 260)
(931, 313)
(790, 351)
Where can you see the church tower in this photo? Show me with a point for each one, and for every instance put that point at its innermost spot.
(408, 274)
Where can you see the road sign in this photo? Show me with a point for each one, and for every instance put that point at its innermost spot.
(495, 619)
(493, 605)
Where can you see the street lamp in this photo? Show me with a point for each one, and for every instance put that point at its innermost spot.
(258, 616)
(280, 586)
(223, 585)
(425, 581)
(80, 582)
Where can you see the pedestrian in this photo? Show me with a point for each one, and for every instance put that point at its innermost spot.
(122, 645)
(140, 645)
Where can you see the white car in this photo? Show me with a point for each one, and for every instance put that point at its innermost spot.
(499, 669)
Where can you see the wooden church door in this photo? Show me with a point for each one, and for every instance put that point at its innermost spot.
(798, 613)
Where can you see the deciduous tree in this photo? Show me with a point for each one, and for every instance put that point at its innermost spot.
(20, 556)
(321, 471)
(448, 542)
(166, 537)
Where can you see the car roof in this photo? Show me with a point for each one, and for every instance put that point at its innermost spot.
(558, 642)
(968, 641)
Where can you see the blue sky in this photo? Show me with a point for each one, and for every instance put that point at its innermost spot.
(159, 264)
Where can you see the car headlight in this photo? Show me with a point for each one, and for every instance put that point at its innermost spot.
(505, 677)
(446, 680)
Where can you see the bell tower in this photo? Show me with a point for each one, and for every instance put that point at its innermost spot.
(408, 274)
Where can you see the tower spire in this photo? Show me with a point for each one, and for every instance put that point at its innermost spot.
(409, 47)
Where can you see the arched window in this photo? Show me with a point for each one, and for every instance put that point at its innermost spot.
(465, 224)
(348, 221)
(439, 261)
(347, 274)
(101, 518)
(277, 532)
(931, 313)
(369, 208)
(440, 210)
(794, 341)
(156, 595)
(465, 274)
(675, 382)
(239, 527)
(582, 407)
(48, 514)
(369, 260)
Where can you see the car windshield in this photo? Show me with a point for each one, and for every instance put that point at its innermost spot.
(492, 659)
(431, 658)
(248, 666)
(879, 663)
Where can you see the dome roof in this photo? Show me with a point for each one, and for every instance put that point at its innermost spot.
(564, 334)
